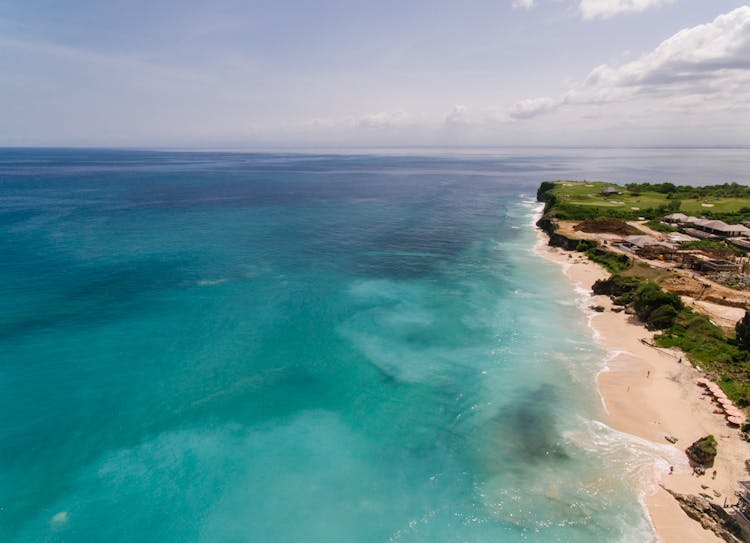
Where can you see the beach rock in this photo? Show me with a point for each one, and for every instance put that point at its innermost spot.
(711, 516)
(703, 451)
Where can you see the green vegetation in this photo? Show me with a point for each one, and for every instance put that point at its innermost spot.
(658, 309)
(703, 452)
(656, 224)
(571, 200)
(612, 262)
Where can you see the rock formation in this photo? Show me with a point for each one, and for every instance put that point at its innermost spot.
(703, 451)
(711, 516)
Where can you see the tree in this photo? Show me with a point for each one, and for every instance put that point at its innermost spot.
(667, 188)
(742, 330)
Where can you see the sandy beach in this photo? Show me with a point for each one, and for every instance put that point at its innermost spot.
(652, 393)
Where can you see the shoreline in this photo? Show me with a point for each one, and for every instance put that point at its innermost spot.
(647, 392)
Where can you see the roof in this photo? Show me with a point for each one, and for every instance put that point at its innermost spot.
(641, 241)
(733, 228)
(720, 226)
(676, 237)
(677, 217)
(611, 190)
(698, 233)
(715, 225)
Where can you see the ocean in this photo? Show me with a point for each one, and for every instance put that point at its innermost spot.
(307, 347)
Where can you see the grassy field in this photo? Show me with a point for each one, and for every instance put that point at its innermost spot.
(577, 199)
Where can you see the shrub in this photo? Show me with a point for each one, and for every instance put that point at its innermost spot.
(703, 451)
(650, 297)
(616, 285)
(612, 262)
(662, 317)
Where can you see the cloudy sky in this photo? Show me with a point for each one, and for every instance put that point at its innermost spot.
(244, 73)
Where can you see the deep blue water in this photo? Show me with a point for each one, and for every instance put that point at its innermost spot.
(284, 347)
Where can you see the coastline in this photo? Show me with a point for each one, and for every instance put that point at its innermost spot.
(647, 392)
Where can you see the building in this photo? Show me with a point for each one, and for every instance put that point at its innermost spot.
(741, 243)
(649, 247)
(610, 191)
(700, 234)
(742, 507)
(711, 227)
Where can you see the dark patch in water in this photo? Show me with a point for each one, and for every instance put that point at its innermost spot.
(528, 428)
(95, 294)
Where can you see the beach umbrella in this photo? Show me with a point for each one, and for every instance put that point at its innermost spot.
(719, 395)
(726, 404)
(736, 420)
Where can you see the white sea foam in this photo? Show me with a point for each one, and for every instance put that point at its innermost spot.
(640, 462)
(211, 282)
(59, 519)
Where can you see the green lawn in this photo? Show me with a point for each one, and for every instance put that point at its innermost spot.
(587, 198)
(714, 205)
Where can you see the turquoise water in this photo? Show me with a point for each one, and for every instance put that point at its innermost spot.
(303, 348)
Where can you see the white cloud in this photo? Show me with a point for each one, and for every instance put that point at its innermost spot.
(523, 4)
(531, 107)
(707, 64)
(458, 116)
(383, 120)
(711, 51)
(605, 9)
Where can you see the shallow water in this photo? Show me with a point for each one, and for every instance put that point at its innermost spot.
(278, 347)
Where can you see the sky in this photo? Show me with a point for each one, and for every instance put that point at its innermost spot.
(253, 74)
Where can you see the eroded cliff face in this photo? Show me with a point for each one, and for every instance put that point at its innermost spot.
(558, 239)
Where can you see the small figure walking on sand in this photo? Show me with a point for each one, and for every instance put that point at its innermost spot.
(648, 373)
(679, 361)
(713, 475)
(671, 470)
